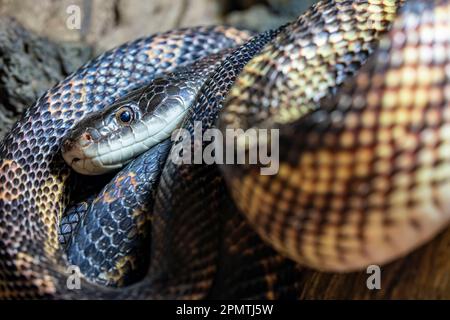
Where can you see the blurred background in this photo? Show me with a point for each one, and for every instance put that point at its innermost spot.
(106, 23)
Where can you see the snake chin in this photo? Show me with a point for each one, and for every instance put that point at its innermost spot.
(74, 154)
(91, 168)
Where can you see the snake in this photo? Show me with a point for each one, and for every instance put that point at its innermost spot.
(98, 244)
(357, 91)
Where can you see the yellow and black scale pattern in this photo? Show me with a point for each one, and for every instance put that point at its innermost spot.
(362, 176)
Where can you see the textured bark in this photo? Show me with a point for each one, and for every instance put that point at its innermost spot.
(29, 65)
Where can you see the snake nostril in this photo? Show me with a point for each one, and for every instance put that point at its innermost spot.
(87, 137)
(91, 135)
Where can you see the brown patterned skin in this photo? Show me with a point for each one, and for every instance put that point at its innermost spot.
(110, 238)
(367, 179)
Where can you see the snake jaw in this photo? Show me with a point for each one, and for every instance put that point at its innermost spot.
(76, 153)
(72, 153)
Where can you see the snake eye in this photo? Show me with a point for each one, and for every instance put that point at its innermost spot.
(124, 115)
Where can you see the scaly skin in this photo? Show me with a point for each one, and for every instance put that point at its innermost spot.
(112, 243)
(102, 143)
(34, 178)
(201, 245)
(367, 180)
(112, 239)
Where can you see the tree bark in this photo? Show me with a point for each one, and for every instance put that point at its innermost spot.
(30, 65)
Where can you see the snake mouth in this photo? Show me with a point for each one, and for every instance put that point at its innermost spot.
(75, 161)
(71, 152)
(75, 154)
(90, 166)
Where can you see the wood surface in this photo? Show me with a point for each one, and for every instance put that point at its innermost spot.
(423, 274)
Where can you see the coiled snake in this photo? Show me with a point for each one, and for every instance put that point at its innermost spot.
(358, 93)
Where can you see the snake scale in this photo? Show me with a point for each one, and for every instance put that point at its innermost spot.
(357, 90)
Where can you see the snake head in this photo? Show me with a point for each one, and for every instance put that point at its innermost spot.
(90, 146)
(83, 145)
(107, 140)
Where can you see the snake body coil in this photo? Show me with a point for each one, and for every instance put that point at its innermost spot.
(33, 175)
(359, 95)
(367, 179)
